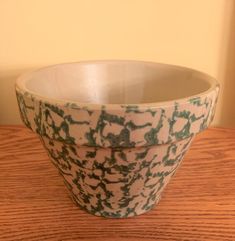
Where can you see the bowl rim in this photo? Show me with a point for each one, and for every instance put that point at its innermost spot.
(20, 86)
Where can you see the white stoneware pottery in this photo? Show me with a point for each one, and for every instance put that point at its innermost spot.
(116, 130)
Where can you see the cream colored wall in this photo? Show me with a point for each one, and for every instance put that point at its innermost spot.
(194, 33)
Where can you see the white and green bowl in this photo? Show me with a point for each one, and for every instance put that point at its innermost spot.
(116, 130)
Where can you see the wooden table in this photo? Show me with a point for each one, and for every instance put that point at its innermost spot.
(198, 204)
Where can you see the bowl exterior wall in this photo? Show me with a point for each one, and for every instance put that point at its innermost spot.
(116, 160)
(120, 182)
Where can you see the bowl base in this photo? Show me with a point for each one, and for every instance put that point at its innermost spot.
(114, 215)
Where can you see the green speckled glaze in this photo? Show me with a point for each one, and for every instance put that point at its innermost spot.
(116, 162)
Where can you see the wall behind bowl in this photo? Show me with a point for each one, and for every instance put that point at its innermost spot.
(193, 33)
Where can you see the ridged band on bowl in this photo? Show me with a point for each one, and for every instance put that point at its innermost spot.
(127, 126)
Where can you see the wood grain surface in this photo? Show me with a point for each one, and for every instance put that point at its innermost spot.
(198, 204)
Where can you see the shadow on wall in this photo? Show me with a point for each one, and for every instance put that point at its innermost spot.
(8, 103)
(227, 118)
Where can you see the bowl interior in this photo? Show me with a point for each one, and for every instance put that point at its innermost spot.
(116, 82)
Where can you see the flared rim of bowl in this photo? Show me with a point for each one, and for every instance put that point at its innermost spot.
(22, 79)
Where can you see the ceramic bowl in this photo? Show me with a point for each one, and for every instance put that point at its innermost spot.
(116, 130)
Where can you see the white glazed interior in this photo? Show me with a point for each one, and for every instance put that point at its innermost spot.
(116, 82)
